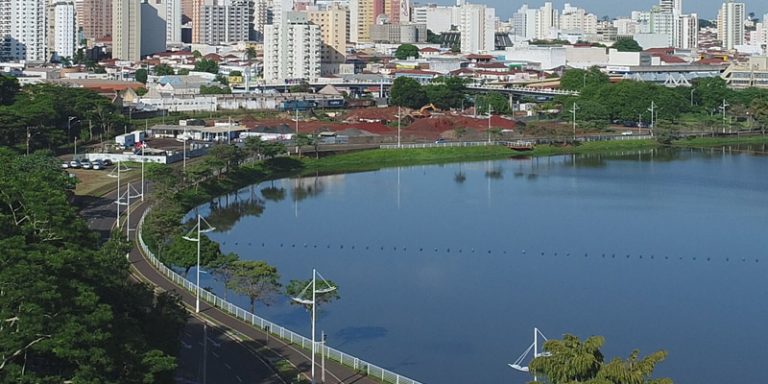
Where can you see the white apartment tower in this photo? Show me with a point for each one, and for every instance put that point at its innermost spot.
(477, 24)
(687, 31)
(216, 22)
(730, 24)
(64, 28)
(126, 30)
(292, 49)
(672, 6)
(576, 19)
(547, 21)
(23, 30)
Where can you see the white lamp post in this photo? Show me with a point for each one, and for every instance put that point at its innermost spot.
(199, 230)
(652, 109)
(490, 110)
(573, 111)
(398, 126)
(313, 302)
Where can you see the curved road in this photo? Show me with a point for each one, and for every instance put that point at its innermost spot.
(216, 347)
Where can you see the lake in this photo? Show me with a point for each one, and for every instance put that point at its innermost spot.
(444, 270)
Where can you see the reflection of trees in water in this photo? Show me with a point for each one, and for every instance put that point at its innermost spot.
(227, 210)
(495, 173)
(459, 177)
(306, 188)
(273, 193)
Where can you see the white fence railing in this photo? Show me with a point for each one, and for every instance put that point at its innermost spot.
(439, 144)
(273, 329)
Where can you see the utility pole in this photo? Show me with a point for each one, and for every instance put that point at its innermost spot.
(29, 135)
(490, 110)
(652, 108)
(398, 127)
(722, 108)
(573, 111)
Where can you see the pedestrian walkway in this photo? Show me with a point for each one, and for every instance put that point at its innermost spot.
(243, 332)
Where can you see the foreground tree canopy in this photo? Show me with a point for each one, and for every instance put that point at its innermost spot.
(571, 360)
(68, 312)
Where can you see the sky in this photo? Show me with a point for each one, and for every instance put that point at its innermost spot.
(705, 8)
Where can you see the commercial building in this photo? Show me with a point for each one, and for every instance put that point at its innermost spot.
(153, 27)
(438, 19)
(399, 33)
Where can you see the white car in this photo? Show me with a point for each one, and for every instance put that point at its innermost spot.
(627, 133)
(97, 165)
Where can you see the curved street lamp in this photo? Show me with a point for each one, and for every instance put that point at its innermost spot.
(300, 299)
(199, 230)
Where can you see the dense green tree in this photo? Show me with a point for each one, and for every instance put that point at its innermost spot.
(251, 53)
(182, 253)
(406, 51)
(163, 70)
(257, 280)
(759, 111)
(447, 92)
(271, 149)
(235, 73)
(577, 79)
(710, 92)
(9, 87)
(141, 75)
(205, 65)
(498, 102)
(215, 90)
(302, 87)
(407, 92)
(627, 44)
(196, 54)
(571, 360)
(433, 38)
(223, 268)
(182, 72)
(69, 313)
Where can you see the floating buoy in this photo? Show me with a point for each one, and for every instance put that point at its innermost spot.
(237, 243)
(448, 250)
(315, 246)
(489, 251)
(281, 245)
(523, 251)
(585, 255)
(459, 250)
(249, 243)
(727, 259)
(366, 247)
(421, 249)
(542, 253)
(555, 253)
(353, 247)
(262, 244)
(293, 245)
(328, 246)
(341, 246)
(694, 258)
(641, 256)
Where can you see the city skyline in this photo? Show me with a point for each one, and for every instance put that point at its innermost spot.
(704, 8)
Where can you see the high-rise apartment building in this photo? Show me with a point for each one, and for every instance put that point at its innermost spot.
(292, 49)
(438, 18)
(730, 24)
(23, 30)
(577, 20)
(153, 27)
(398, 11)
(126, 30)
(477, 24)
(672, 6)
(216, 22)
(547, 21)
(333, 34)
(64, 33)
(687, 31)
(95, 20)
(367, 11)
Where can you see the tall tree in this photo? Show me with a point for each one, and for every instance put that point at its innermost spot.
(627, 44)
(9, 87)
(182, 253)
(163, 70)
(571, 360)
(577, 79)
(141, 75)
(405, 51)
(205, 65)
(407, 92)
(255, 279)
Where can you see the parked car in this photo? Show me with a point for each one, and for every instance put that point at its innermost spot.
(97, 165)
(440, 141)
(106, 162)
(65, 165)
(75, 164)
(86, 164)
(627, 133)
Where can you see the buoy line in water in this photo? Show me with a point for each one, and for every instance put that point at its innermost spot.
(368, 248)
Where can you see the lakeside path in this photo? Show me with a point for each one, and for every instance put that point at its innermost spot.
(230, 351)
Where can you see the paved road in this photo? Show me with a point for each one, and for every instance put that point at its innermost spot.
(230, 351)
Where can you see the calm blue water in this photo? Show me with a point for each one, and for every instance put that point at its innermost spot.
(653, 250)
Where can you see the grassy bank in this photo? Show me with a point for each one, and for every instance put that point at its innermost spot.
(720, 141)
